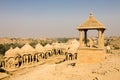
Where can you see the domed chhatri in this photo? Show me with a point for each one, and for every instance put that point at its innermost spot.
(92, 24)
(88, 51)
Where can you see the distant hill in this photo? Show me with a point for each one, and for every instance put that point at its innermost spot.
(19, 40)
(7, 40)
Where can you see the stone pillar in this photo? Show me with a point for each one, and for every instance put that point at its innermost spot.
(80, 38)
(102, 39)
(27, 59)
(99, 38)
(85, 38)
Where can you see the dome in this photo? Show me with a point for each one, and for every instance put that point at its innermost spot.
(27, 48)
(39, 48)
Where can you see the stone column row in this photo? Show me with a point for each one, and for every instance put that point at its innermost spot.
(100, 38)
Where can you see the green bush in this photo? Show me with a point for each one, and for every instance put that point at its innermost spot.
(5, 47)
(2, 49)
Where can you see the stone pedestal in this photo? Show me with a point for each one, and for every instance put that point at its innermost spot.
(90, 55)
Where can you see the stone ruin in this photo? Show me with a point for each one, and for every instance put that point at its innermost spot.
(27, 55)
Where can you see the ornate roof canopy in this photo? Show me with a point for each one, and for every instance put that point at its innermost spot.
(91, 23)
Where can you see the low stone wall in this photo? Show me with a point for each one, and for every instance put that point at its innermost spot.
(90, 55)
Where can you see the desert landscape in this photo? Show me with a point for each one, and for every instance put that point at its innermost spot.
(59, 40)
(54, 68)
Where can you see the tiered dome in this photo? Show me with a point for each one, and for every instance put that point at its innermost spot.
(91, 23)
(27, 48)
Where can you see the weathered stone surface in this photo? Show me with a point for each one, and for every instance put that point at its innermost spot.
(90, 55)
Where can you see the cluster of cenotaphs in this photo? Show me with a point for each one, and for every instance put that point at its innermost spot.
(86, 50)
(18, 57)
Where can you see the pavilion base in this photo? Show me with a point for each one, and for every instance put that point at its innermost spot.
(90, 55)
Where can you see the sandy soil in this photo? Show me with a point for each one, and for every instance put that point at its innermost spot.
(48, 70)
(107, 70)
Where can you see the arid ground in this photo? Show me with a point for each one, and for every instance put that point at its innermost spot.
(51, 69)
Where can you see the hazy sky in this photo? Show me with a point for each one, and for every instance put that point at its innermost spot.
(55, 18)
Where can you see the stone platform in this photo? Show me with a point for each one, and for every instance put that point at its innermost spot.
(90, 55)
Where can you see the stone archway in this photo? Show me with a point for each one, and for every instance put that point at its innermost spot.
(11, 62)
(18, 61)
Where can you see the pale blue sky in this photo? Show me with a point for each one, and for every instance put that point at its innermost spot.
(55, 18)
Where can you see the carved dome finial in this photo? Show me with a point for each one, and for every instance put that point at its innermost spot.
(91, 13)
